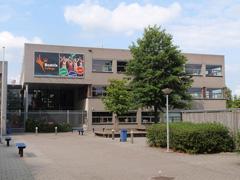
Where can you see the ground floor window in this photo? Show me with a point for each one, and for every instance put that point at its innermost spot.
(55, 97)
(101, 117)
(130, 117)
(173, 117)
(147, 117)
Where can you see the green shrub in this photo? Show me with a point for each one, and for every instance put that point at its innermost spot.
(192, 138)
(238, 141)
(44, 126)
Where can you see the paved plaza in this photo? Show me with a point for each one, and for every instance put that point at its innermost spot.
(69, 156)
(11, 166)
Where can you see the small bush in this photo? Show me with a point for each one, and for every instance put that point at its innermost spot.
(238, 141)
(46, 127)
(192, 138)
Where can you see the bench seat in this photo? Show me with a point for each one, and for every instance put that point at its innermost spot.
(79, 129)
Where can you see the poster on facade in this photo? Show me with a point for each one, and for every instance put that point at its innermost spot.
(59, 64)
(71, 65)
(46, 64)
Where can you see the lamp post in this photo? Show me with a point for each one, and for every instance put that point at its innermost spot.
(167, 91)
(3, 57)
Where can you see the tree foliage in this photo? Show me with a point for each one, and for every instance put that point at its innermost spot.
(118, 97)
(158, 64)
(232, 101)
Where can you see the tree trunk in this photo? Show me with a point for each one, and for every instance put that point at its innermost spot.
(155, 115)
(116, 128)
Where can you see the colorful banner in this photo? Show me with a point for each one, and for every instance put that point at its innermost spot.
(59, 64)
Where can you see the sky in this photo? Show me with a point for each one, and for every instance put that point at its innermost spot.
(197, 26)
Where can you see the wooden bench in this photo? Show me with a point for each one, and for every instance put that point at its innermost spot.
(79, 129)
(20, 147)
(8, 139)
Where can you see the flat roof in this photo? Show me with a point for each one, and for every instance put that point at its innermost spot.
(105, 48)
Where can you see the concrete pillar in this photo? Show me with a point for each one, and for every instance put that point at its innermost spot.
(25, 104)
(89, 110)
(89, 90)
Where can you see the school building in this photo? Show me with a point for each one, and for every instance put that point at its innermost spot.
(66, 83)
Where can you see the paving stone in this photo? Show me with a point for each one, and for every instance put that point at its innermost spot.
(12, 167)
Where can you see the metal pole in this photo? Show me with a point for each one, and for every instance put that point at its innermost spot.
(167, 125)
(113, 134)
(68, 116)
(56, 130)
(36, 131)
(2, 86)
(131, 132)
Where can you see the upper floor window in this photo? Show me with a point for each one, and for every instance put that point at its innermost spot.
(213, 70)
(102, 66)
(98, 91)
(214, 93)
(196, 93)
(193, 69)
(121, 66)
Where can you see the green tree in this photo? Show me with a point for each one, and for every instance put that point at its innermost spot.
(235, 102)
(228, 96)
(232, 101)
(118, 98)
(158, 64)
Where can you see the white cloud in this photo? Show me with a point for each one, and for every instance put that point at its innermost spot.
(209, 36)
(8, 40)
(126, 18)
(14, 51)
(208, 26)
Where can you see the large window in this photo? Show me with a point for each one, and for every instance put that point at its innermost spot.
(196, 93)
(102, 66)
(193, 69)
(128, 118)
(214, 93)
(121, 66)
(173, 117)
(101, 117)
(213, 70)
(51, 99)
(147, 117)
(98, 91)
(14, 98)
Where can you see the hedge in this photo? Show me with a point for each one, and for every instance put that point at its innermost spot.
(45, 126)
(238, 141)
(192, 138)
